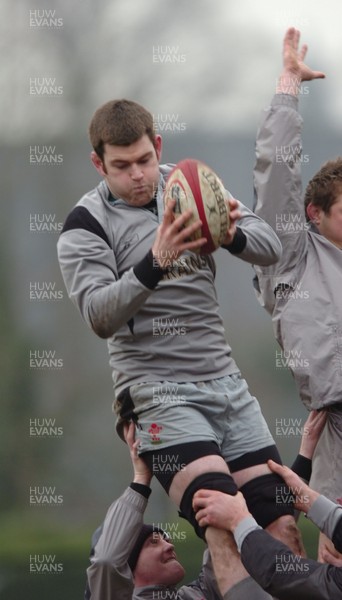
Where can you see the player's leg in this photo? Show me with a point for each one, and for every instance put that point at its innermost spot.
(327, 473)
(267, 499)
(247, 446)
(180, 445)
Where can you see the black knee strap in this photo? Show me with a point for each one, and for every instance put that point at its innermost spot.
(207, 481)
(268, 498)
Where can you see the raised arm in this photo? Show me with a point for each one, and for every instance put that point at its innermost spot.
(277, 172)
(109, 575)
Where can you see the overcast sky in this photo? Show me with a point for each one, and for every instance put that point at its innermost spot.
(202, 63)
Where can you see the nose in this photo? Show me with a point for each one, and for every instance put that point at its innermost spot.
(136, 172)
(168, 544)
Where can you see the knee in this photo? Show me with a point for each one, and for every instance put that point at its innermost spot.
(209, 481)
(285, 529)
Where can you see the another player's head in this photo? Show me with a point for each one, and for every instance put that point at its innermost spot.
(323, 201)
(153, 560)
(126, 150)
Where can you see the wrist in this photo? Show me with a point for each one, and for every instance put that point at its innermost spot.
(307, 451)
(142, 479)
(143, 490)
(289, 83)
(235, 521)
(238, 242)
(308, 499)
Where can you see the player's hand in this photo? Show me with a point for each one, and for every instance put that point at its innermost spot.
(313, 428)
(142, 473)
(234, 215)
(303, 496)
(216, 509)
(173, 235)
(294, 69)
(327, 552)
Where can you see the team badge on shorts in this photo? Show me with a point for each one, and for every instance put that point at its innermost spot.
(154, 431)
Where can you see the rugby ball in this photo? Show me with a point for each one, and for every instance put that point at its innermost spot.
(196, 186)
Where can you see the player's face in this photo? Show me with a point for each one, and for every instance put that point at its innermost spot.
(131, 172)
(157, 563)
(330, 225)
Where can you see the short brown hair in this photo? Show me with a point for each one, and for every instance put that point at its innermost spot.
(325, 186)
(120, 122)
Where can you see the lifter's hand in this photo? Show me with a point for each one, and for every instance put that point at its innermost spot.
(142, 473)
(303, 495)
(173, 236)
(294, 69)
(313, 428)
(216, 509)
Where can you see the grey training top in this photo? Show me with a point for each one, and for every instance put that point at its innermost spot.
(159, 325)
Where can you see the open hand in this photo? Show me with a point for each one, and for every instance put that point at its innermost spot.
(294, 69)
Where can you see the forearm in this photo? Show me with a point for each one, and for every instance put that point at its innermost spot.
(122, 526)
(225, 559)
(277, 177)
(105, 300)
(112, 306)
(328, 517)
(283, 574)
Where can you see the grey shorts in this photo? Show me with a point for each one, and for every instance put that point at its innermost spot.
(220, 410)
(326, 475)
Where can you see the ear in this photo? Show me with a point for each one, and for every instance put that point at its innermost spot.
(158, 146)
(314, 213)
(98, 164)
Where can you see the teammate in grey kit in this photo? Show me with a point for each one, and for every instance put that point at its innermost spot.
(130, 560)
(303, 290)
(270, 562)
(130, 268)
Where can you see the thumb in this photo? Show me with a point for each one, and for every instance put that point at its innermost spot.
(275, 467)
(319, 75)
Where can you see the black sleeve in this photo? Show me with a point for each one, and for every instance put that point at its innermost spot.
(238, 244)
(287, 576)
(302, 466)
(337, 537)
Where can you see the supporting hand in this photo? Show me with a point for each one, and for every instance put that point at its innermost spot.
(142, 473)
(303, 495)
(313, 428)
(216, 509)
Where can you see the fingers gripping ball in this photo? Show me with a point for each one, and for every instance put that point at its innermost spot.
(196, 186)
